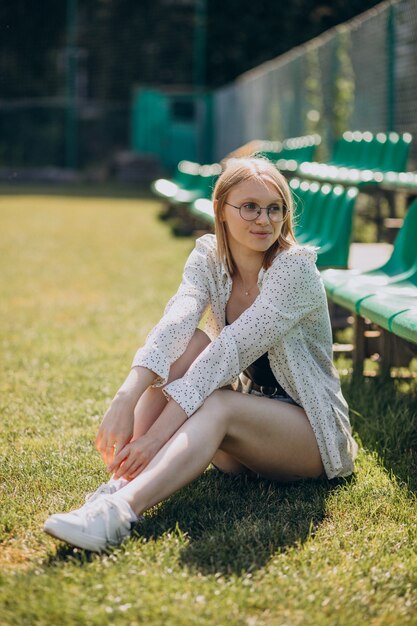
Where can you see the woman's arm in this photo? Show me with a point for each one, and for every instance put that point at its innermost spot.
(135, 456)
(164, 345)
(292, 289)
(168, 340)
(116, 429)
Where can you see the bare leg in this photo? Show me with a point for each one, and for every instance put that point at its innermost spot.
(228, 463)
(153, 401)
(272, 438)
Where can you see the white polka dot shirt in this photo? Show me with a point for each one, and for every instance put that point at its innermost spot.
(289, 320)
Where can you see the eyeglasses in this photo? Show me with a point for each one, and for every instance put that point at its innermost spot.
(250, 211)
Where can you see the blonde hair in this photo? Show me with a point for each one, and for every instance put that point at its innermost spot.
(239, 170)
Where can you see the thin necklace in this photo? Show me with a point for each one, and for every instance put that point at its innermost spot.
(245, 290)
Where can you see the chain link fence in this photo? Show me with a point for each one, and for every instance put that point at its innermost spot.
(39, 132)
(358, 76)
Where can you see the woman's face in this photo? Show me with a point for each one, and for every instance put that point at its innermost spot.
(257, 235)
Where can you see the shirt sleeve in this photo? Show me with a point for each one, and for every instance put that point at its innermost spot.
(169, 338)
(291, 290)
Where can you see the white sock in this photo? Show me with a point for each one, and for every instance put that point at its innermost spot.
(122, 504)
(122, 482)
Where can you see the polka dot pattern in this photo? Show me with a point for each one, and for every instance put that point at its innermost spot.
(289, 320)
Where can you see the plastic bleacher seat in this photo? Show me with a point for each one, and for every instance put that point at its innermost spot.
(401, 181)
(361, 158)
(201, 187)
(184, 178)
(405, 325)
(193, 181)
(389, 301)
(289, 154)
(305, 195)
(395, 155)
(351, 288)
(325, 220)
(203, 208)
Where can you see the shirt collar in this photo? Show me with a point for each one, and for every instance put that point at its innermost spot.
(226, 275)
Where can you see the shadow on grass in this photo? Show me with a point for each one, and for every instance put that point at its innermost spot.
(67, 554)
(236, 524)
(383, 415)
(233, 524)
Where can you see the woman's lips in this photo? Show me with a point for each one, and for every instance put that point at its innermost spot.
(261, 234)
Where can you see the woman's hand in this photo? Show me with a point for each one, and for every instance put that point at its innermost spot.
(134, 457)
(116, 430)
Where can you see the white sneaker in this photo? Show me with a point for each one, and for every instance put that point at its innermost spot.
(103, 523)
(113, 485)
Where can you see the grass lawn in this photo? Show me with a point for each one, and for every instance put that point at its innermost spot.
(83, 279)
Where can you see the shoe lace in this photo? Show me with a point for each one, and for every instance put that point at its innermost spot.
(103, 510)
(103, 489)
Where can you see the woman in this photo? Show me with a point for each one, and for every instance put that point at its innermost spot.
(256, 392)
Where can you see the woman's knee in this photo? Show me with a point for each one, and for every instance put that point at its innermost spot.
(217, 406)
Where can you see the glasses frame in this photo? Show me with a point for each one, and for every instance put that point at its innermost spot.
(261, 208)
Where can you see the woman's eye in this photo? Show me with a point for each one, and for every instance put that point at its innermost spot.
(275, 208)
(250, 206)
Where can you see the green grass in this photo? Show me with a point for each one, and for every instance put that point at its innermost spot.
(83, 279)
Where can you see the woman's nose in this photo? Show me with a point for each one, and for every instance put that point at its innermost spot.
(263, 217)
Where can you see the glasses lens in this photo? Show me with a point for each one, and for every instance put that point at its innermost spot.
(249, 211)
(277, 213)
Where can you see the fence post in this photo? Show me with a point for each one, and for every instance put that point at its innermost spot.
(199, 76)
(71, 139)
(391, 69)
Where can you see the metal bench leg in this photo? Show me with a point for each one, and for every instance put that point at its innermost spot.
(387, 353)
(359, 345)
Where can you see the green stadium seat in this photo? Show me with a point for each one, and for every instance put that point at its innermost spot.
(203, 208)
(405, 325)
(361, 159)
(350, 287)
(347, 150)
(325, 220)
(405, 182)
(184, 178)
(202, 186)
(289, 154)
(388, 302)
(395, 155)
(335, 235)
(309, 200)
